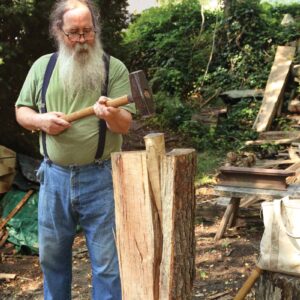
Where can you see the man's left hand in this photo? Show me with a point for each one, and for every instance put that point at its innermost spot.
(118, 120)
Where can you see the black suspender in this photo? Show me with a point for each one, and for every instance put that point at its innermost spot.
(47, 76)
(104, 92)
(102, 123)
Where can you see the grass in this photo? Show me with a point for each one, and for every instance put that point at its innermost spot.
(208, 163)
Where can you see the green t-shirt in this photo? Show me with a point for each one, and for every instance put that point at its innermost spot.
(78, 144)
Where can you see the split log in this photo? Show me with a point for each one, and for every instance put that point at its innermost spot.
(135, 233)
(274, 88)
(155, 248)
(177, 266)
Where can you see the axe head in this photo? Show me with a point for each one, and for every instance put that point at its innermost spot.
(141, 93)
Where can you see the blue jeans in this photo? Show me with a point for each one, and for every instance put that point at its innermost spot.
(70, 196)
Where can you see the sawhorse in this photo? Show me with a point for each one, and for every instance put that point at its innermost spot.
(236, 193)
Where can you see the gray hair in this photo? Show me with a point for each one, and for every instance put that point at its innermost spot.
(62, 6)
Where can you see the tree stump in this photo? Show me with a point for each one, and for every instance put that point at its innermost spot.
(154, 206)
(277, 286)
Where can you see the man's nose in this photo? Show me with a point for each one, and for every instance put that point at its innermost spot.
(81, 39)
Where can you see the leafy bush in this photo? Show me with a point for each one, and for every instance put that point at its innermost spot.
(165, 42)
(168, 43)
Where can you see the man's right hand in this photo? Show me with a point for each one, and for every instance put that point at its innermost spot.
(51, 122)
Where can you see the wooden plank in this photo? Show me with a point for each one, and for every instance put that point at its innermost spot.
(254, 177)
(230, 209)
(278, 135)
(268, 163)
(274, 142)
(265, 194)
(294, 167)
(256, 171)
(4, 276)
(238, 94)
(275, 87)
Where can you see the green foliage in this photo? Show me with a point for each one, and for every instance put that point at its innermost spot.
(170, 116)
(236, 129)
(165, 42)
(208, 164)
(232, 51)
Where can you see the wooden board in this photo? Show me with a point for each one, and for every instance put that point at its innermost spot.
(279, 135)
(254, 177)
(275, 87)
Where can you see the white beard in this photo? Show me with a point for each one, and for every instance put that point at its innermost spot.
(81, 68)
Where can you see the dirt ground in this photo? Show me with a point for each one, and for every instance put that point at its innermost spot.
(221, 267)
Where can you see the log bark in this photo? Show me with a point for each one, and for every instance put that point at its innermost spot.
(277, 286)
(155, 248)
(177, 266)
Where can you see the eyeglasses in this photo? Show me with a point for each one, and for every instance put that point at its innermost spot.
(88, 34)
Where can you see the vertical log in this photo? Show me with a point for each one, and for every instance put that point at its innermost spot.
(134, 225)
(156, 258)
(155, 149)
(178, 208)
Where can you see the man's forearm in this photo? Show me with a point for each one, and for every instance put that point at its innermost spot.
(52, 122)
(28, 118)
(121, 121)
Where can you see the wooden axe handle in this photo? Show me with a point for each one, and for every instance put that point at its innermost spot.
(89, 111)
(244, 290)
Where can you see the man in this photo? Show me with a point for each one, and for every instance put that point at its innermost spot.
(75, 187)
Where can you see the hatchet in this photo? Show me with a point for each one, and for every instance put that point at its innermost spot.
(141, 95)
